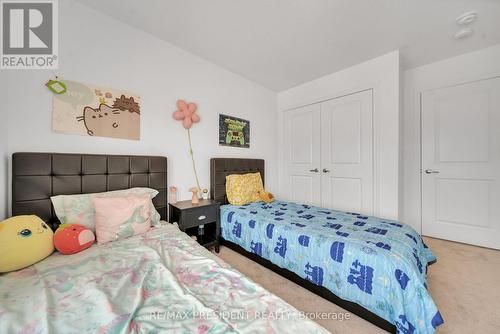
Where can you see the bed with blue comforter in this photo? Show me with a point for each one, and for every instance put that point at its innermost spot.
(376, 263)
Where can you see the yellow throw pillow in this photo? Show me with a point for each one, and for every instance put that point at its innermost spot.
(242, 189)
(24, 240)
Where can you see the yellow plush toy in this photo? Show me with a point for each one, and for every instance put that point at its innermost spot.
(266, 196)
(24, 240)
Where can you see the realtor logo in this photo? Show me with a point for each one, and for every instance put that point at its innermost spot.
(29, 34)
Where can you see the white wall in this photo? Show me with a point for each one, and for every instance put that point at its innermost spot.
(100, 50)
(3, 145)
(382, 74)
(472, 66)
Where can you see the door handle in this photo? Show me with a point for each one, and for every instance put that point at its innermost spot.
(431, 171)
(315, 170)
(326, 170)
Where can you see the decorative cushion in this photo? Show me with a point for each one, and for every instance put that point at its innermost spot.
(242, 189)
(79, 209)
(266, 196)
(119, 218)
(73, 238)
(24, 240)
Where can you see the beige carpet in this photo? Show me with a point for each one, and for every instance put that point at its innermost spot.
(465, 284)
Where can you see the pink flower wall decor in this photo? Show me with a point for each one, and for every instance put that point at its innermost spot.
(186, 112)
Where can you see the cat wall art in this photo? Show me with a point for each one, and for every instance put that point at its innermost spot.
(95, 111)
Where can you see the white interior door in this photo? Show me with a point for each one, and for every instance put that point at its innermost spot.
(302, 155)
(461, 163)
(347, 153)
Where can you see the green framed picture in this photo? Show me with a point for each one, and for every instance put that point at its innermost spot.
(234, 131)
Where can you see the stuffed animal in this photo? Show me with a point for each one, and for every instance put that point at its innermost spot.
(24, 240)
(73, 238)
(266, 196)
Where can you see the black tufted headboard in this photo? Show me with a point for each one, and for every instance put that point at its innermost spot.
(38, 176)
(222, 167)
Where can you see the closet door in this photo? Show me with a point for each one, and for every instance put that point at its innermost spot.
(302, 155)
(347, 153)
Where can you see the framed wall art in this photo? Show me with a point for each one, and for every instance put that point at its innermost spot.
(234, 131)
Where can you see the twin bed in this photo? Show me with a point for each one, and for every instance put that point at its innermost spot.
(164, 281)
(373, 267)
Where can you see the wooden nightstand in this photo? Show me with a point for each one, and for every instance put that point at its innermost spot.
(190, 216)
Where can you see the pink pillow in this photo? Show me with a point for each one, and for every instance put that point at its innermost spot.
(121, 217)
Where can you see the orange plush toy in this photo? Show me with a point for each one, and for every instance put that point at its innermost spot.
(266, 196)
(73, 238)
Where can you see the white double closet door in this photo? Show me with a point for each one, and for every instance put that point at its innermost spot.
(328, 158)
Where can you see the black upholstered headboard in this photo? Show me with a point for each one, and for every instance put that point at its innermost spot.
(222, 167)
(38, 176)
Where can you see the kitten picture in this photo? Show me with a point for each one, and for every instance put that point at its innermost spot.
(89, 110)
(121, 120)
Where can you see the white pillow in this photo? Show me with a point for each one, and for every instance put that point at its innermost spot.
(79, 209)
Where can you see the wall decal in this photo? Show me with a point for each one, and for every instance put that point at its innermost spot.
(186, 112)
(95, 111)
(56, 87)
(234, 131)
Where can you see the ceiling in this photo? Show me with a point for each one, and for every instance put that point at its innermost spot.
(283, 43)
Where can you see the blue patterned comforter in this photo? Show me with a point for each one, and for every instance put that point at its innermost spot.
(379, 264)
